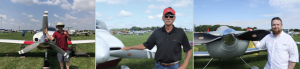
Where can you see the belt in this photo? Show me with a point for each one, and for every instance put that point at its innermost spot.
(168, 64)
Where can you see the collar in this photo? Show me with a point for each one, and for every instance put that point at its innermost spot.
(278, 35)
(172, 31)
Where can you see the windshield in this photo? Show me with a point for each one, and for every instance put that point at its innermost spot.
(100, 25)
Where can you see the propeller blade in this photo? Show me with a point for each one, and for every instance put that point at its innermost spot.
(59, 50)
(255, 35)
(28, 48)
(45, 22)
(202, 38)
(132, 53)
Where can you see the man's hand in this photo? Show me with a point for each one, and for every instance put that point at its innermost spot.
(125, 48)
(65, 32)
(46, 31)
(182, 67)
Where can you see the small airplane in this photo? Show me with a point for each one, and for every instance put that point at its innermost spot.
(41, 43)
(226, 43)
(108, 53)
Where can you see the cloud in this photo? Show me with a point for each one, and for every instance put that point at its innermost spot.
(48, 2)
(180, 15)
(157, 6)
(289, 5)
(30, 15)
(98, 14)
(182, 3)
(12, 19)
(26, 2)
(166, 1)
(114, 1)
(23, 13)
(271, 15)
(84, 5)
(68, 16)
(123, 13)
(147, 11)
(3, 16)
(56, 15)
(34, 20)
(155, 16)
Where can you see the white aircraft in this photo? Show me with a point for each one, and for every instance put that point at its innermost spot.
(40, 42)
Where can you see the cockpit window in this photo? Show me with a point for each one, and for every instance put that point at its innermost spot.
(50, 29)
(100, 25)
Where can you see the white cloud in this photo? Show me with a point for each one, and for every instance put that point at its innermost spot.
(48, 2)
(65, 5)
(123, 13)
(157, 6)
(34, 20)
(26, 2)
(12, 19)
(114, 1)
(3, 16)
(271, 15)
(155, 16)
(56, 15)
(84, 5)
(182, 3)
(289, 5)
(180, 15)
(148, 11)
(98, 14)
(30, 15)
(68, 16)
(166, 1)
(23, 13)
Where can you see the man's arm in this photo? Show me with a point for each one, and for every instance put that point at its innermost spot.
(139, 47)
(68, 36)
(186, 60)
(292, 65)
(48, 36)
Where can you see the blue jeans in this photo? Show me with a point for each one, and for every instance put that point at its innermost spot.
(159, 66)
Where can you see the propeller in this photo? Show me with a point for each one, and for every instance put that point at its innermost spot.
(28, 48)
(57, 49)
(132, 53)
(256, 35)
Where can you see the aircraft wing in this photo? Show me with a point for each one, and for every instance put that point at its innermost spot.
(81, 41)
(16, 41)
(201, 55)
(253, 50)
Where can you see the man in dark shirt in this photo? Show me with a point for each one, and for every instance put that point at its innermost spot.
(168, 40)
(61, 37)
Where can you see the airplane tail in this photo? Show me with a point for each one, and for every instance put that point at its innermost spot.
(45, 22)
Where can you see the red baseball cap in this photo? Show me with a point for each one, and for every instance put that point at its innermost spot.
(169, 9)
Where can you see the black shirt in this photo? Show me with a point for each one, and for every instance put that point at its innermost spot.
(168, 44)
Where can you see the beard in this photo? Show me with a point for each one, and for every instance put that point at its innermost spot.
(277, 31)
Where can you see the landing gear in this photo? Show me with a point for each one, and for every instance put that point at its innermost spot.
(253, 67)
(46, 62)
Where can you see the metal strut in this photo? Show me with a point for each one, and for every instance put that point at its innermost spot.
(208, 63)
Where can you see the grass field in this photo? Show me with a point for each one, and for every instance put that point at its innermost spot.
(131, 40)
(35, 60)
(259, 60)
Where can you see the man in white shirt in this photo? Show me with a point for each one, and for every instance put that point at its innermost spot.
(281, 47)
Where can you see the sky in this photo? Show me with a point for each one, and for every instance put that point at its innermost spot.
(247, 13)
(28, 14)
(143, 13)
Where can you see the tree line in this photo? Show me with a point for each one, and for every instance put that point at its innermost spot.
(135, 28)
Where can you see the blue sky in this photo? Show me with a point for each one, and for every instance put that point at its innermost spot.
(28, 14)
(143, 13)
(247, 13)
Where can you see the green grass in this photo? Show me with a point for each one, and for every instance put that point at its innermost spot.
(259, 60)
(131, 40)
(35, 58)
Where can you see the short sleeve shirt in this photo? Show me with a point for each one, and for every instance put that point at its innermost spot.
(61, 40)
(168, 44)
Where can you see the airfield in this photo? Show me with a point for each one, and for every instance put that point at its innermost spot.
(131, 40)
(259, 60)
(35, 57)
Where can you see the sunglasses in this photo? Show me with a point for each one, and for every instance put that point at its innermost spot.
(60, 26)
(171, 16)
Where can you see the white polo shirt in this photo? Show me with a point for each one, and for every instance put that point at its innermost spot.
(281, 50)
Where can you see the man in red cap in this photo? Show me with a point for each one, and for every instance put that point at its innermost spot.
(168, 40)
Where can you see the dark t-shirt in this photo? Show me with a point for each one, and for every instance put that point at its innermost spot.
(61, 40)
(168, 44)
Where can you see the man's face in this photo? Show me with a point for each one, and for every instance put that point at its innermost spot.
(59, 27)
(168, 19)
(276, 26)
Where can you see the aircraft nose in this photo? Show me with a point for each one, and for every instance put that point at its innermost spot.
(102, 50)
